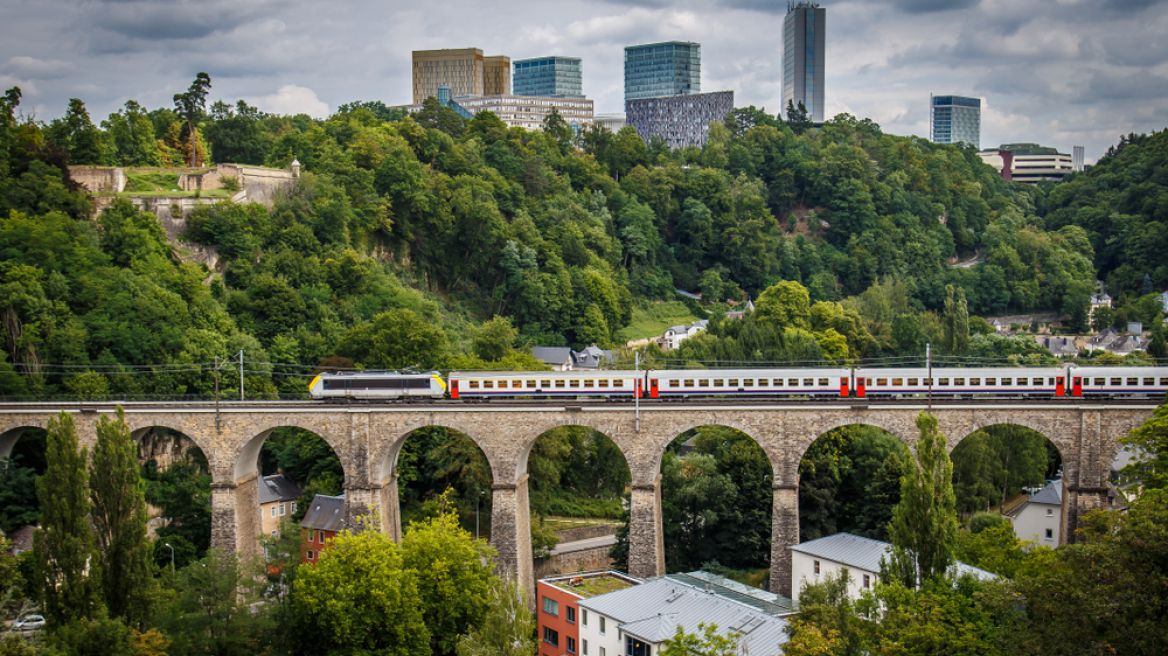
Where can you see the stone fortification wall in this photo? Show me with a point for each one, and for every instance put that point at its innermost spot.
(585, 560)
(98, 179)
(172, 213)
(585, 532)
(260, 184)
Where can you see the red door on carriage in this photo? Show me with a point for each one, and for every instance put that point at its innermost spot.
(861, 390)
(652, 388)
(844, 387)
(1077, 388)
(454, 389)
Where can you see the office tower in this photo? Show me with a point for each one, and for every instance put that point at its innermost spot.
(679, 120)
(497, 76)
(655, 70)
(955, 119)
(1077, 157)
(549, 77)
(1028, 162)
(803, 57)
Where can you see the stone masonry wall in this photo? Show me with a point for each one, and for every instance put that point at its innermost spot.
(585, 560)
(585, 532)
(97, 179)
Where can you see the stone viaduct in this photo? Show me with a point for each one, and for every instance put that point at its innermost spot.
(368, 439)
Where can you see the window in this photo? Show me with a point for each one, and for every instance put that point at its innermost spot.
(1052, 381)
(943, 382)
(959, 381)
(516, 384)
(808, 382)
(703, 382)
(1050, 534)
(602, 630)
(584, 647)
(1100, 381)
(817, 567)
(991, 381)
(320, 537)
(584, 621)
(912, 382)
(823, 382)
(635, 647)
(604, 383)
(571, 645)
(882, 382)
(559, 383)
(1133, 381)
(573, 383)
(675, 383)
(293, 507)
(733, 382)
(273, 510)
(1117, 381)
(749, 382)
(974, 381)
(778, 382)
(488, 384)
(1050, 512)
(898, 382)
(474, 384)
(531, 384)
(718, 382)
(602, 651)
(551, 606)
(689, 383)
(282, 508)
(1164, 381)
(867, 582)
(589, 383)
(570, 614)
(308, 555)
(1149, 381)
(792, 382)
(1007, 381)
(274, 533)
(551, 636)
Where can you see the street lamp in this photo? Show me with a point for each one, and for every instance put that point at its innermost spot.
(171, 555)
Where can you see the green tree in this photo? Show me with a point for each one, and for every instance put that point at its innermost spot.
(190, 106)
(455, 575)
(394, 340)
(132, 135)
(993, 548)
(924, 524)
(77, 135)
(706, 642)
(798, 117)
(67, 566)
(956, 321)
(507, 628)
(494, 339)
(18, 499)
(828, 621)
(360, 599)
(215, 608)
(785, 304)
(1150, 442)
(119, 519)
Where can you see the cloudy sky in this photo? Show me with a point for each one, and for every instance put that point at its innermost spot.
(1058, 72)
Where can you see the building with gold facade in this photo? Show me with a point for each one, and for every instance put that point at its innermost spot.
(465, 70)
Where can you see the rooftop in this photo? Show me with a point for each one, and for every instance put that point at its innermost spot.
(278, 487)
(865, 553)
(326, 513)
(592, 584)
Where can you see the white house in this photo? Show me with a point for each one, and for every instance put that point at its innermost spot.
(814, 560)
(635, 621)
(1038, 519)
(1100, 300)
(1163, 298)
(559, 358)
(673, 337)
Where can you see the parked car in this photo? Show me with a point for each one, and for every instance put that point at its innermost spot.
(29, 623)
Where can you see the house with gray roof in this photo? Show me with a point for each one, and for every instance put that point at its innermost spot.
(1063, 347)
(1039, 518)
(323, 521)
(814, 560)
(591, 357)
(636, 621)
(278, 495)
(559, 358)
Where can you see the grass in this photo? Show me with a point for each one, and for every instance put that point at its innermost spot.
(596, 585)
(561, 524)
(652, 319)
(146, 181)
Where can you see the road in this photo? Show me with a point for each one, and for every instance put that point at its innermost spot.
(581, 545)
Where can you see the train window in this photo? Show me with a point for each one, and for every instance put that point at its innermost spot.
(898, 382)
(1164, 381)
(1133, 381)
(1051, 381)
(718, 382)
(868, 382)
(808, 382)
(573, 383)
(942, 381)
(474, 384)
(823, 382)
(912, 382)
(959, 381)
(488, 384)
(604, 383)
(1100, 381)
(589, 383)
(618, 383)
(675, 383)
(703, 382)
(793, 382)
(733, 382)
(559, 383)
(1007, 381)
(974, 381)
(927, 382)
(689, 382)
(531, 384)
(778, 382)
(1149, 381)
(991, 381)
(748, 382)
(1117, 381)
(545, 383)
(881, 382)
(516, 384)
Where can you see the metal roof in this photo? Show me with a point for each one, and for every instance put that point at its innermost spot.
(559, 355)
(653, 610)
(1052, 494)
(865, 553)
(767, 602)
(326, 513)
(278, 487)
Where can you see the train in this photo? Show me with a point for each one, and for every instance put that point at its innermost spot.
(661, 384)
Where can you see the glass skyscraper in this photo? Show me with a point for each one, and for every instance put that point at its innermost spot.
(548, 77)
(803, 58)
(656, 70)
(955, 119)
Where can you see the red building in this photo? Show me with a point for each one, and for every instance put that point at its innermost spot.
(324, 519)
(558, 614)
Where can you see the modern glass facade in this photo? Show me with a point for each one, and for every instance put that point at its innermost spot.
(680, 121)
(955, 119)
(804, 30)
(656, 70)
(549, 77)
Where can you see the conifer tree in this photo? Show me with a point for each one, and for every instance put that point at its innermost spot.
(923, 530)
(65, 561)
(120, 517)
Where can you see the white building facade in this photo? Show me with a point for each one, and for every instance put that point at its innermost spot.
(1038, 519)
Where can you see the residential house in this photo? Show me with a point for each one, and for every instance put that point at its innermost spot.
(278, 495)
(1111, 341)
(1063, 347)
(324, 519)
(558, 618)
(20, 540)
(1100, 300)
(1163, 298)
(1039, 518)
(673, 337)
(559, 358)
(814, 560)
(591, 357)
(636, 621)
(738, 314)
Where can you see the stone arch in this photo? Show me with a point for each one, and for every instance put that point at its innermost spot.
(616, 433)
(245, 453)
(11, 432)
(770, 446)
(383, 458)
(1064, 440)
(790, 474)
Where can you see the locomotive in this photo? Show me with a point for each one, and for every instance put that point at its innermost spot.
(858, 382)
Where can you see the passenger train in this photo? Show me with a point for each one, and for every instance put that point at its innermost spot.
(683, 384)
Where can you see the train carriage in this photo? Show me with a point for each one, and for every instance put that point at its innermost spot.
(986, 381)
(545, 384)
(748, 382)
(1118, 381)
(378, 385)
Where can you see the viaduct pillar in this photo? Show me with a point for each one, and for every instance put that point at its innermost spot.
(646, 537)
(784, 533)
(511, 532)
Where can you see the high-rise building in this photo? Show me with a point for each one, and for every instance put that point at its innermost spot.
(1028, 162)
(954, 120)
(803, 57)
(679, 120)
(549, 77)
(465, 71)
(656, 70)
(1077, 157)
